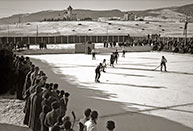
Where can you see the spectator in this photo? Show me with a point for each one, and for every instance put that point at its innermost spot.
(51, 117)
(91, 124)
(110, 125)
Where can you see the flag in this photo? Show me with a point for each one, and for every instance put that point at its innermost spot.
(185, 28)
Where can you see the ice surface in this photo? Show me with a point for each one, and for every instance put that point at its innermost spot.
(134, 83)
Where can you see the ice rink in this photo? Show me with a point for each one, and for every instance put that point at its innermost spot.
(133, 82)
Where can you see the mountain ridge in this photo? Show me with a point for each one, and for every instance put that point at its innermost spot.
(176, 13)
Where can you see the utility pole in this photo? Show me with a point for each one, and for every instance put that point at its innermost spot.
(36, 30)
(108, 32)
(19, 20)
(7, 33)
(185, 32)
(8, 30)
(36, 34)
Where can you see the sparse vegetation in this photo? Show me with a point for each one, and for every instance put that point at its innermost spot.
(86, 19)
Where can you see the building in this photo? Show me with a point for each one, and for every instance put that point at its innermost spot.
(69, 15)
(129, 16)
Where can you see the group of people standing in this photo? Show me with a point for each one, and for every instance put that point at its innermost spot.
(102, 66)
(89, 122)
(45, 105)
(114, 59)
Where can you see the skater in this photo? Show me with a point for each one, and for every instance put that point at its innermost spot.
(104, 65)
(112, 59)
(98, 72)
(93, 54)
(116, 56)
(114, 43)
(163, 63)
(123, 53)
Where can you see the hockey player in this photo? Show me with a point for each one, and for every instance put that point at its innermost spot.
(163, 63)
(98, 72)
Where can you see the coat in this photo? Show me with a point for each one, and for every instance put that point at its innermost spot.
(42, 119)
(35, 111)
(51, 118)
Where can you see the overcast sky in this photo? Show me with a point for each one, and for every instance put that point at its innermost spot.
(10, 7)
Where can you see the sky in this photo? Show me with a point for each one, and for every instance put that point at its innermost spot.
(10, 7)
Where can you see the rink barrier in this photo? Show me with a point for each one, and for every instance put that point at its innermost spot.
(76, 39)
(64, 39)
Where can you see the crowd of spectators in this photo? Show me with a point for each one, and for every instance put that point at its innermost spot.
(178, 45)
(171, 44)
(174, 45)
(45, 105)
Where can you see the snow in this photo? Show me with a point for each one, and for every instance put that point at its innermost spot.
(62, 46)
(133, 81)
(11, 111)
(172, 29)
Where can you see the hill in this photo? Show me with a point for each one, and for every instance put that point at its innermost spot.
(161, 14)
(40, 16)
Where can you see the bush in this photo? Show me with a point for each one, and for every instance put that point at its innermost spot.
(6, 70)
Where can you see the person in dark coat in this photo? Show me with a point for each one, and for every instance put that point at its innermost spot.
(45, 101)
(30, 93)
(51, 117)
(54, 91)
(27, 83)
(42, 118)
(30, 106)
(123, 53)
(34, 75)
(62, 106)
(163, 63)
(27, 108)
(116, 56)
(112, 59)
(21, 79)
(98, 72)
(47, 89)
(36, 110)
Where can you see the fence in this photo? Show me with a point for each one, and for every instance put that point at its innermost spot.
(75, 39)
(64, 39)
